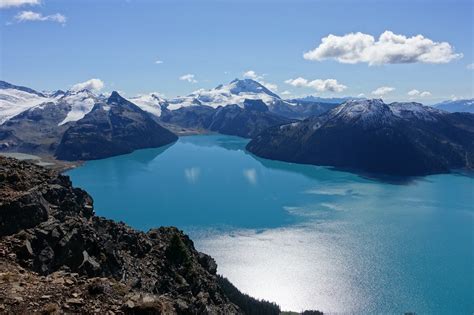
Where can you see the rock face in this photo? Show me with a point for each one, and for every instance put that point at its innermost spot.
(368, 135)
(48, 227)
(115, 127)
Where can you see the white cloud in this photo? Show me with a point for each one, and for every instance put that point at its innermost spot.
(25, 16)
(328, 85)
(383, 90)
(425, 94)
(270, 86)
(159, 62)
(361, 95)
(188, 77)
(415, 93)
(92, 84)
(390, 48)
(250, 74)
(470, 66)
(17, 3)
(251, 175)
(286, 92)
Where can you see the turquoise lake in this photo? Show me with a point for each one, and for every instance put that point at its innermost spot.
(303, 236)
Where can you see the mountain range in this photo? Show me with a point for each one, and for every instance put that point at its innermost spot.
(360, 134)
(466, 105)
(371, 136)
(63, 123)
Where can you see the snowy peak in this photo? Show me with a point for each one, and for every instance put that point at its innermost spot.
(5, 85)
(79, 102)
(244, 86)
(234, 93)
(375, 111)
(415, 110)
(15, 99)
(57, 94)
(115, 98)
(330, 100)
(365, 111)
(152, 103)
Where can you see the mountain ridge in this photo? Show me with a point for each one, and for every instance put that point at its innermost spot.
(395, 139)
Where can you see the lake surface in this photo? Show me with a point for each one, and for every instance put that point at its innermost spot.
(306, 237)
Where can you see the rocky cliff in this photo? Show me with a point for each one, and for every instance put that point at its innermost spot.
(57, 256)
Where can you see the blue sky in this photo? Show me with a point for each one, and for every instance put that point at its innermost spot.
(119, 41)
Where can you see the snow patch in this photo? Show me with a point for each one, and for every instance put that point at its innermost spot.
(151, 103)
(14, 102)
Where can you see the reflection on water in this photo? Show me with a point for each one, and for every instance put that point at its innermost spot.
(303, 236)
(251, 175)
(192, 174)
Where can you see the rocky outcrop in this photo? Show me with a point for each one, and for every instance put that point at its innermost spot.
(112, 128)
(50, 237)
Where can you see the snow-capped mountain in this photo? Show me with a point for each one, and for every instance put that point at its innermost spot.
(15, 99)
(234, 93)
(466, 105)
(328, 100)
(369, 135)
(415, 110)
(376, 112)
(78, 103)
(152, 103)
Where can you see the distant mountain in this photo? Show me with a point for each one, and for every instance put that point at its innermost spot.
(246, 121)
(195, 117)
(15, 99)
(114, 127)
(237, 91)
(8, 86)
(327, 100)
(38, 129)
(301, 109)
(77, 104)
(466, 105)
(371, 136)
(18, 99)
(234, 93)
(151, 103)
